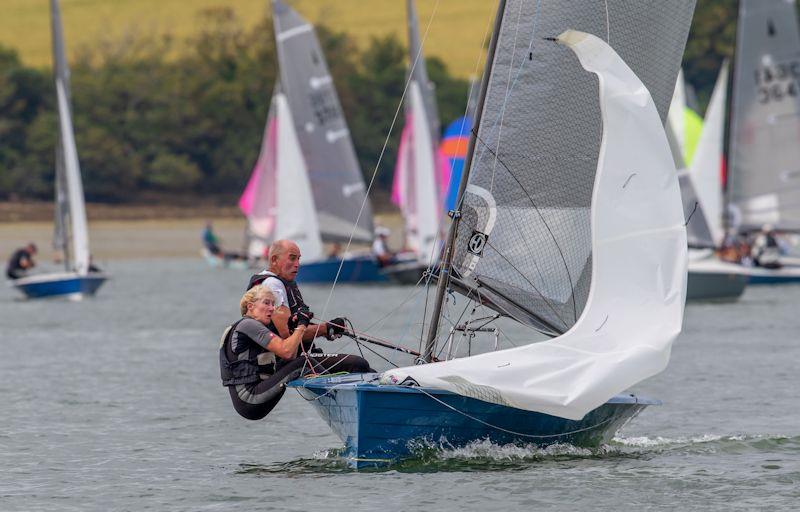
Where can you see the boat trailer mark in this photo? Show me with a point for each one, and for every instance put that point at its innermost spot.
(628, 180)
(601, 325)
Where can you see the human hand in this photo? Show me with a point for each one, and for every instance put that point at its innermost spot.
(336, 327)
(303, 316)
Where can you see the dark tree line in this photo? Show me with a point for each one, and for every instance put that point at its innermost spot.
(153, 121)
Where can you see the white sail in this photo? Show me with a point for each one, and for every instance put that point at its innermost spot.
(706, 167)
(677, 111)
(426, 214)
(296, 217)
(638, 284)
(77, 209)
(79, 232)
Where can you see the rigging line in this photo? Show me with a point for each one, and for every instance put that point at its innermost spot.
(544, 324)
(414, 291)
(376, 353)
(531, 436)
(547, 226)
(495, 307)
(466, 306)
(380, 157)
(486, 33)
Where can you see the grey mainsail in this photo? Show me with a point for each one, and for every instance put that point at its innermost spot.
(523, 244)
(764, 146)
(336, 179)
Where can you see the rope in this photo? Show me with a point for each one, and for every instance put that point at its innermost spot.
(521, 434)
(380, 157)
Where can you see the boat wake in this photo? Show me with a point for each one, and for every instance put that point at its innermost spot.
(429, 456)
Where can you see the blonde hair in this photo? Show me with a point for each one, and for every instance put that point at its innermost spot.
(252, 295)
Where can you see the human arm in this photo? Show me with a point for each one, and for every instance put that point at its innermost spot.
(286, 348)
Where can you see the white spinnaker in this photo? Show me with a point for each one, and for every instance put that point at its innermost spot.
(635, 306)
(677, 113)
(425, 189)
(706, 165)
(296, 214)
(77, 208)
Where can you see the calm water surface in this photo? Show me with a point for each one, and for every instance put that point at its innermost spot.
(116, 404)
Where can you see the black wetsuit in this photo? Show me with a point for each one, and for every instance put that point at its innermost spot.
(257, 395)
(15, 270)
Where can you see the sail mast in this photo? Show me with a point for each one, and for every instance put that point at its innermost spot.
(727, 223)
(447, 259)
(77, 211)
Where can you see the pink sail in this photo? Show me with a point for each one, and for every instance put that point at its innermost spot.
(258, 201)
(401, 172)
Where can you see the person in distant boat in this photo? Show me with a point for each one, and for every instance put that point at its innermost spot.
(380, 247)
(279, 278)
(92, 266)
(766, 251)
(21, 261)
(335, 251)
(211, 241)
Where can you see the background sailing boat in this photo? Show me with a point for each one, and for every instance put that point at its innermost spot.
(763, 179)
(710, 278)
(421, 169)
(71, 229)
(570, 223)
(307, 184)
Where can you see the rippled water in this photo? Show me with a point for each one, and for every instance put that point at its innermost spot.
(115, 404)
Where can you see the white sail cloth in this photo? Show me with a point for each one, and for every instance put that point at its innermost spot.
(635, 306)
(706, 167)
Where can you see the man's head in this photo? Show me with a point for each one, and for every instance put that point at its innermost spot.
(284, 259)
(31, 247)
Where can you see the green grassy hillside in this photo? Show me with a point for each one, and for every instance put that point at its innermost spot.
(455, 36)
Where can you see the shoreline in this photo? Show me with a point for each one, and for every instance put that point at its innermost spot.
(142, 238)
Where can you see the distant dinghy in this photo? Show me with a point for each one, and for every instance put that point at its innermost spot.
(71, 229)
(763, 179)
(307, 185)
(570, 223)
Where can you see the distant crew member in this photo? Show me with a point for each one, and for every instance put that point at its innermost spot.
(21, 261)
(766, 250)
(211, 241)
(279, 277)
(380, 247)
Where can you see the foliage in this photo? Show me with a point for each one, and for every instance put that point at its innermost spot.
(147, 122)
(152, 119)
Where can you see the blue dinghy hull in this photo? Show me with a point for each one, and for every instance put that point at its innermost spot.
(381, 424)
(789, 274)
(359, 269)
(66, 284)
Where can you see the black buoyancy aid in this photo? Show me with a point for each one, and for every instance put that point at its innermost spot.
(240, 371)
(293, 294)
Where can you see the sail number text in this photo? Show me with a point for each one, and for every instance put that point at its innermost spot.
(777, 82)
